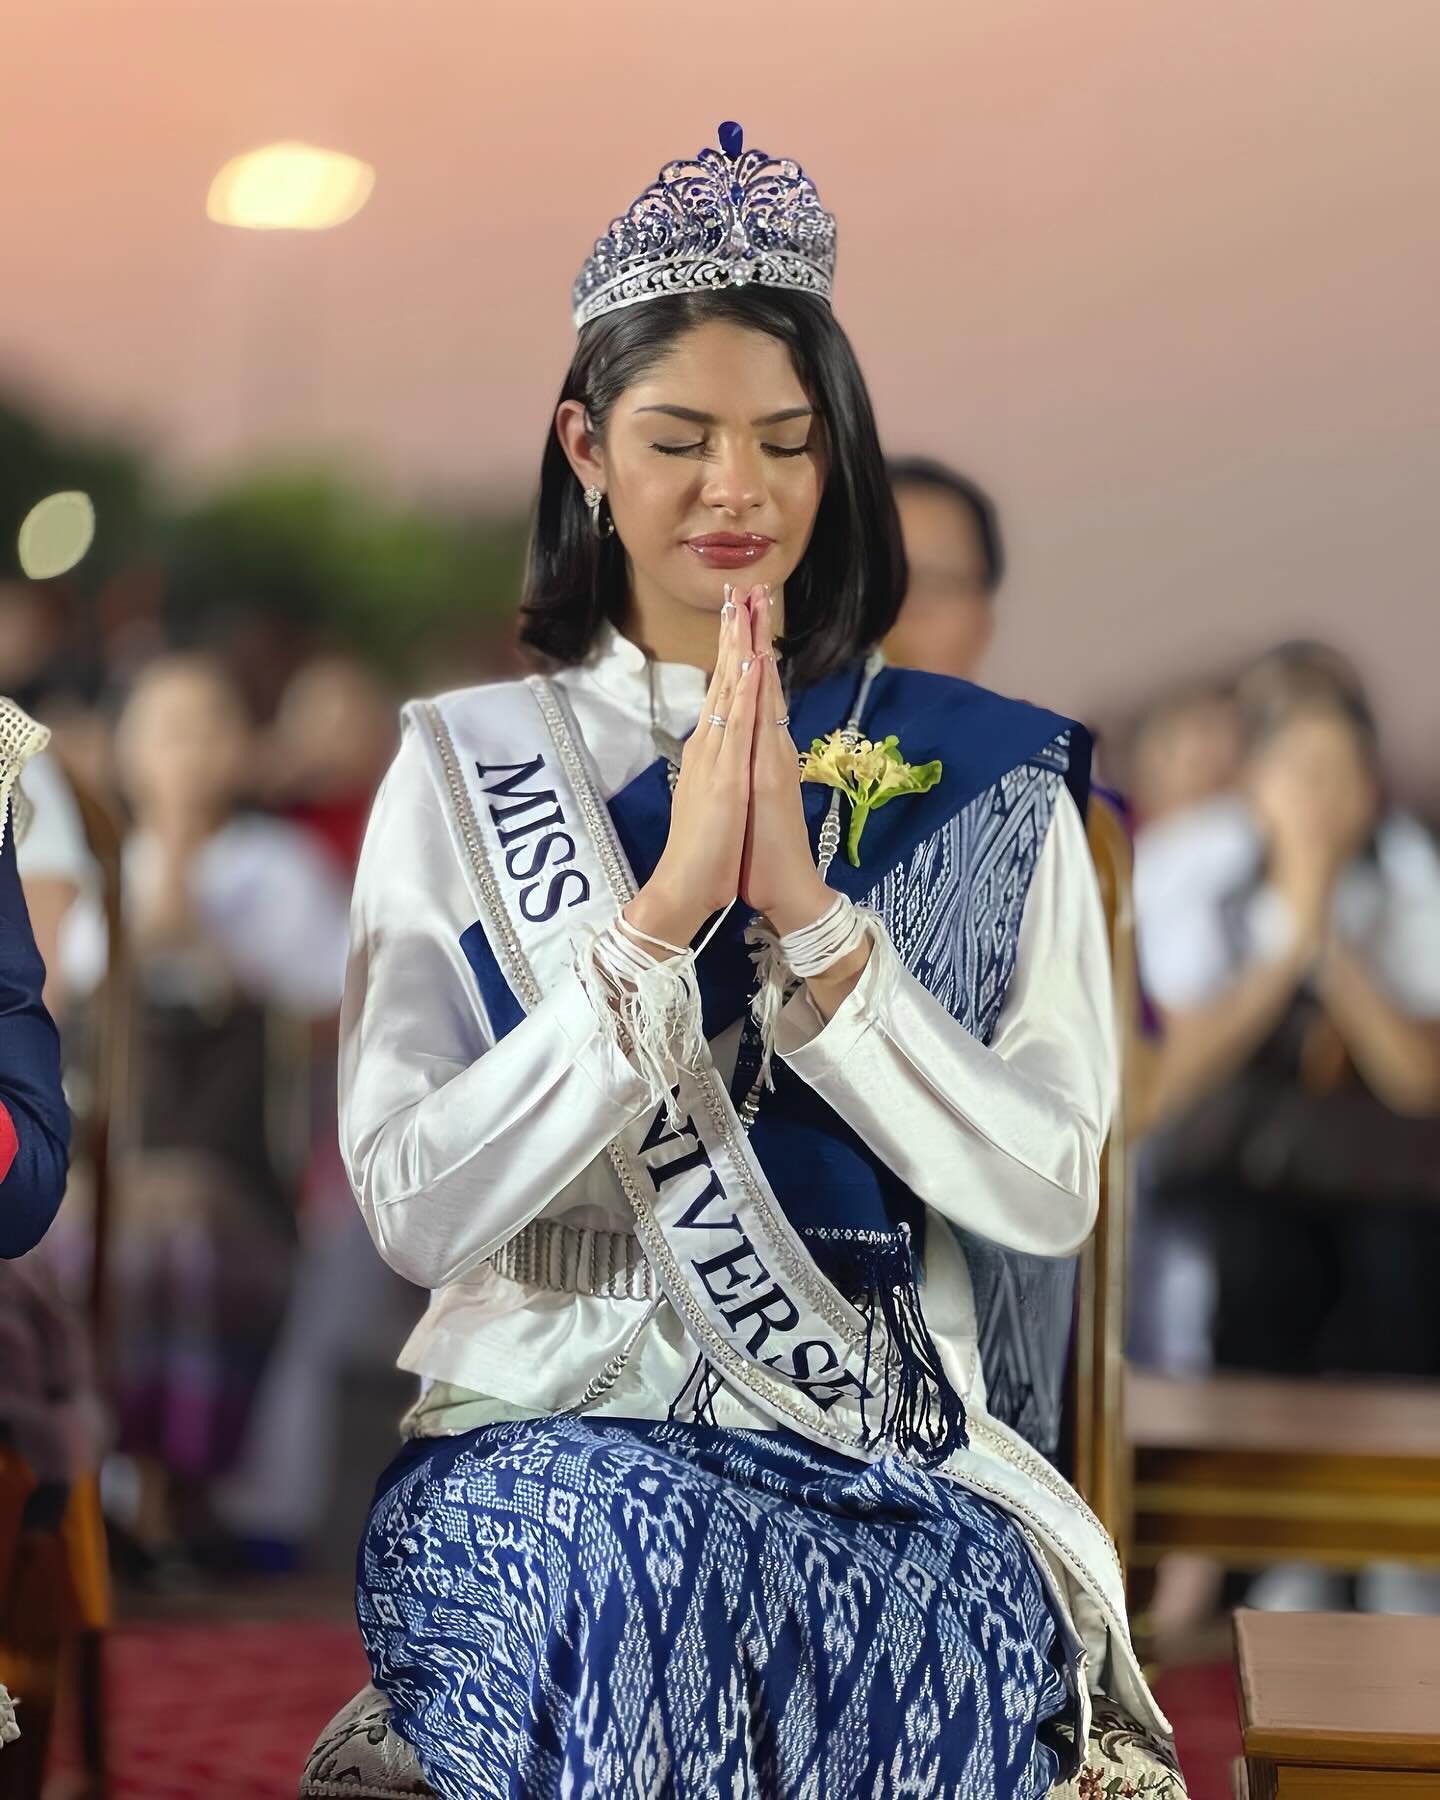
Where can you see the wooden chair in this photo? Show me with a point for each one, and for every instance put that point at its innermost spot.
(1099, 1461)
(1254, 1470)
(56, 1575)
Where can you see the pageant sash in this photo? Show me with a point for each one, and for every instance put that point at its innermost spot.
(542, 859)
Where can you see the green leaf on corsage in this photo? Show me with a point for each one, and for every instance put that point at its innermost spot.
(868, 774)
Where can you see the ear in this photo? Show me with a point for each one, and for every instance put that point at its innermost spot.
(582, 449)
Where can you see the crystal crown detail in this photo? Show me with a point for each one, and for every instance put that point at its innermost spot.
(724, 219)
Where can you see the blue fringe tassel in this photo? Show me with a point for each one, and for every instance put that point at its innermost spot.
(921, 1415)
(704, 1384)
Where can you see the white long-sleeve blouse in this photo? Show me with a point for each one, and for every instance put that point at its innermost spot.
(455, 1142)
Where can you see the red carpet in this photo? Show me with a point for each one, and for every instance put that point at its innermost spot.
(228, 1712)
(1200, 1703)
(223, 1712)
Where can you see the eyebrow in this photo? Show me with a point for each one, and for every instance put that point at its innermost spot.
(702, 418)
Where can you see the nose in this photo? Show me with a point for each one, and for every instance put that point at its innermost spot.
(735, 482)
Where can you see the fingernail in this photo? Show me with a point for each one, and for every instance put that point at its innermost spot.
(729, 605)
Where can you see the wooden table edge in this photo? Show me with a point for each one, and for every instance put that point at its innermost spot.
(1344, 1749)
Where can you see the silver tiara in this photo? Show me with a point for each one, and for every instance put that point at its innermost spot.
(729, 217)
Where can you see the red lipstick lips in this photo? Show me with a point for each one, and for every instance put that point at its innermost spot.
(729, 549)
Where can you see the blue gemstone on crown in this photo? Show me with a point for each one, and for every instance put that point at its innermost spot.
(727, 217)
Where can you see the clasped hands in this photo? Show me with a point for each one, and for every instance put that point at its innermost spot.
(737, 823)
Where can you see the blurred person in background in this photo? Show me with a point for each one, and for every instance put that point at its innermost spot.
(1184, 750)
(956, 561)
(237, 930)
(51, 667)
(1289, 934)
(32, 641)
(1181, 751)
(332, 738)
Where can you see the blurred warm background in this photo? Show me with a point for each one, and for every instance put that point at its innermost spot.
(1163, 280)
(1165, 276)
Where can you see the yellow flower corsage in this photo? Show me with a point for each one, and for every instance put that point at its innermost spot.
(868, 774)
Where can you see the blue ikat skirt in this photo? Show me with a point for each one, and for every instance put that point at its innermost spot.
(618, 1608)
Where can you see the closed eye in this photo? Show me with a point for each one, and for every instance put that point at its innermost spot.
(691, 449)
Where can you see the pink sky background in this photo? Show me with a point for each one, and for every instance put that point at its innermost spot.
(1165, 276)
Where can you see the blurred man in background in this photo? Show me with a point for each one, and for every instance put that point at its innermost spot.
(957, 561)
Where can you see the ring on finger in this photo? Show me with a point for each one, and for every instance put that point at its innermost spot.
(719, 719)
(784, 721)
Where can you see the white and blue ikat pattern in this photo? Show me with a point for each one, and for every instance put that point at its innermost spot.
(953, 908)
(624, 1609)
(953, 911)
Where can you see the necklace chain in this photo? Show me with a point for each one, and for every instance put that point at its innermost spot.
(666, 744)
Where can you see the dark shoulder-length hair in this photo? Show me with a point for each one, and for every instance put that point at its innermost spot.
(847, 589)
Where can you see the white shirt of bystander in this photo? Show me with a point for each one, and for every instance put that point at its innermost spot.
(1204, 912)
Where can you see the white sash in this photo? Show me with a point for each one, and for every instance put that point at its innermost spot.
(541, 857)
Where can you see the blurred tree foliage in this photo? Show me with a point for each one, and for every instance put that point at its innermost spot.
(346, 564)
(318, 549)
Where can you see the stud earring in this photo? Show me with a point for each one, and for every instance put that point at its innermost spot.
(595, 499)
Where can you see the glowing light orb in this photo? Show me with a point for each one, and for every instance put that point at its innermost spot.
(289, 187)
(56, 533)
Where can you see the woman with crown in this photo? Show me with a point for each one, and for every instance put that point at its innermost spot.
(681, 1081)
